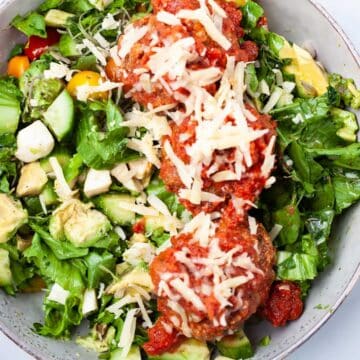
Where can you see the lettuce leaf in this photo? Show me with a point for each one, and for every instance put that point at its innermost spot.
(30, 24)
(100, 141)
(98, 267)
(60, 319)
(63, 250)
(70, 274)
(252, 12)
(296, 266)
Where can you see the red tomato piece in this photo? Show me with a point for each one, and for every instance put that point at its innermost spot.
(36, 45)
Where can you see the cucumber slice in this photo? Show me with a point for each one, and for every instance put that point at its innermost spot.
(235, 346)
(59, 117)
(134, 354)
(62, 155)
(9, 118)
(109, 205)
(49, 194)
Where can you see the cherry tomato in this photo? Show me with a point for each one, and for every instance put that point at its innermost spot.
(90, 78)
(36, 45)
(18, 65)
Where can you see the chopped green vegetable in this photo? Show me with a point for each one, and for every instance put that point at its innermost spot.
(235, 346)
(265, 341)
(10, 110)
(31, 24)
(252, 12)
(59, 116)
(103, 149)
(350, 95)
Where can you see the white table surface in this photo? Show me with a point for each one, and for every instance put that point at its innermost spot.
(339, 337)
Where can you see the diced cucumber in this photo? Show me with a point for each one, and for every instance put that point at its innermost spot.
(134, 354)
(57, 18)
(109, 204)
(190, 349)
(60, 115)
(62, 155)
(9, 116)
(5, 272)
(49, 194)
(67, 46)
(235, 346)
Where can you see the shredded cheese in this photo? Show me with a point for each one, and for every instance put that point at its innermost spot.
(128, 333)
(131, 36)
(62, 188)
(145, 146)
(181, 168)
(95, 51)
(188, 294)
(206, 21)
(167, 18)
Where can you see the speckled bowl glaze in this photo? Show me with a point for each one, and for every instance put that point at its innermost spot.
(299, 21)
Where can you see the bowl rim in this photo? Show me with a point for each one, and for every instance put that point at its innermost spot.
(351, 284)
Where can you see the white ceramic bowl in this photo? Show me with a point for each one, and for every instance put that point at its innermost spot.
(299, 21)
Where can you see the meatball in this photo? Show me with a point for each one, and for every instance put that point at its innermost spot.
(225, 281)
(252, 181)
(284, 303)
(133, 70)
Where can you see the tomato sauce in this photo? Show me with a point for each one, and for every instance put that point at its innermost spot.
(160, 339)
(284, 303)
(210, 53)
(232, 231)
(252, 181)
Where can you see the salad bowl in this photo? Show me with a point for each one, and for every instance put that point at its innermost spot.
(304, 23)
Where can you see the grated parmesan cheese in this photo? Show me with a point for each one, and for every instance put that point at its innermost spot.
(203, 17)
(145, 146)
(131, 36)
(62, 188)
(128, 333)
(95, 51)
(188, 294)
(252, 225)
(167, 18)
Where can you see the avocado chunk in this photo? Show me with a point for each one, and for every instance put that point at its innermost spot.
(5, 272)
(310, 79)
(57, 18)
(190, 349)
(109, 204)
(235, 346)
(12, 217)
(134, 354)
(138, 275)
(78, 223)
(32, 180)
